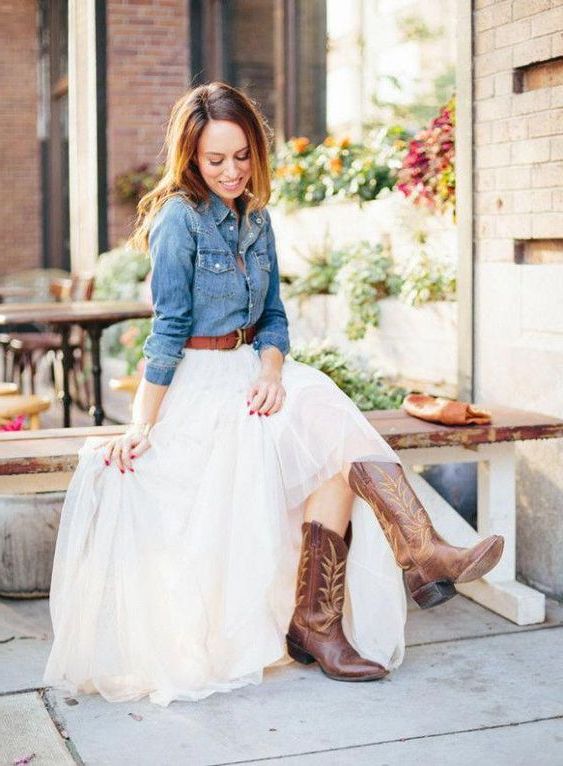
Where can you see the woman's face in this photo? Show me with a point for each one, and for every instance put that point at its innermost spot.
(223, 158)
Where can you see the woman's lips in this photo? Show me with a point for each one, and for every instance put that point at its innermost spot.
(231, 186)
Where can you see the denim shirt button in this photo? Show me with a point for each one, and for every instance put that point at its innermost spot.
(258, 220)
(231, 228)
(217, 265)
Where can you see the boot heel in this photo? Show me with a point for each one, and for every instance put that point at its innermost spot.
(434, 593)
(299, 654)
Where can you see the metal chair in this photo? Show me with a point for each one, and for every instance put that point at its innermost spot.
(27, 349)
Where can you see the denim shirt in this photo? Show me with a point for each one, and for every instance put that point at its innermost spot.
(199, 289)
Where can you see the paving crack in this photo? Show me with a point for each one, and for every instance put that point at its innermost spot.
(60, 726)
(390, 741)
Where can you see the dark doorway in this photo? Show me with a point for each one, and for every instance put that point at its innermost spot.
(274, 50)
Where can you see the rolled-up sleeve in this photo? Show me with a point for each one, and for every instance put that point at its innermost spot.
(171, 248)
(272, 326)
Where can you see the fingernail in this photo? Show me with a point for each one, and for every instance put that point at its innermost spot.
(132, 456)
(106, 461)
(251, 412)
(132, 470)
(266, 414)
(259, 413)
(122, 470)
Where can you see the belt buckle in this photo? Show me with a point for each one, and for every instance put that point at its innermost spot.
(241, 337)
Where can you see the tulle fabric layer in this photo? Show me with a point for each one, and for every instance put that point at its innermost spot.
(178, 580)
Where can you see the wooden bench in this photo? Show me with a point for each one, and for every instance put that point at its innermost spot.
(50, 453)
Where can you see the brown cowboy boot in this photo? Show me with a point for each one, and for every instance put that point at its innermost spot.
(315, 631)
(431, 565)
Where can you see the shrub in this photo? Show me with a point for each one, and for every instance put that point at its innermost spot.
(364, 387)
(324, 263)
(426, 278)
(367, 275)
(118, 276)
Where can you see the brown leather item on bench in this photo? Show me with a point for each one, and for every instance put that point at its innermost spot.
(225, 342)
(450, 412)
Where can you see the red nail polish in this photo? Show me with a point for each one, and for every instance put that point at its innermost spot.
(122, 470)
(266, 414)
(106, 461)
(132, 456)
(132, 470)
(251, 412)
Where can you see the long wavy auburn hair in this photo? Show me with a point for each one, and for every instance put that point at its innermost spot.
(189, 116)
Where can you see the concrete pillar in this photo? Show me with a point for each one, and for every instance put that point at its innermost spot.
(83, 134)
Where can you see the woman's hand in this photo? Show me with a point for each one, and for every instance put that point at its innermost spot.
(267, 394)
(128, 446)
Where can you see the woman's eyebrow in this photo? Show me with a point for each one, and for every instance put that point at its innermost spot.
(220, 154)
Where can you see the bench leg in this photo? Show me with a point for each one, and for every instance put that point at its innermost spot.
(499, 590)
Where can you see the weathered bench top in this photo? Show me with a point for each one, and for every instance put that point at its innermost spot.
(53, 450)
(403, 431)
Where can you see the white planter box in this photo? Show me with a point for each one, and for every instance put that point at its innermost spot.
(416, 343)
(393, 218)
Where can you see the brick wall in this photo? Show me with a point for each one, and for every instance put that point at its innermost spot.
(518, 199)
(147, 70)
(19, 145)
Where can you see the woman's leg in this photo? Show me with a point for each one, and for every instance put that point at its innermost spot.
(431, 565)
(331, 504)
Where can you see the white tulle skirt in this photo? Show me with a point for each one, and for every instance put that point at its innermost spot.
(178, 580)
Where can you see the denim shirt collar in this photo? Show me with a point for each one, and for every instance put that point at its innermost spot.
(220, 210)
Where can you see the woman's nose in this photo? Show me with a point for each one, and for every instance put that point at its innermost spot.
(231, 169)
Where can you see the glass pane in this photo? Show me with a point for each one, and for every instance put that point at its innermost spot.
(248, 50)
(310, 85)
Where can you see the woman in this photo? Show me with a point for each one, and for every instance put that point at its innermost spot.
(207, 543)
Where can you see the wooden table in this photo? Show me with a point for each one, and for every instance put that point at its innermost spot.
(419, 443)
(93, 317)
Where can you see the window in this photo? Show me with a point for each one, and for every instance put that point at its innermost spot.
(274, 50)
(53, 131)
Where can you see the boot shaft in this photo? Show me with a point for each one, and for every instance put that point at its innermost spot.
(320, 579)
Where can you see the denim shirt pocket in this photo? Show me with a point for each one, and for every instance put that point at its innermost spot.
(215, 275)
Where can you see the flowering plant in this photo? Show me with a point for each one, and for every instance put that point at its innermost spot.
(13, 425)
(428, 171)
(305, 174)
(134, 184)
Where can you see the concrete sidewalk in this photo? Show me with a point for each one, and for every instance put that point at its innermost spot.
(473, 688)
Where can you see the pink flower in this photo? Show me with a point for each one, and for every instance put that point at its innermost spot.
(14, 425)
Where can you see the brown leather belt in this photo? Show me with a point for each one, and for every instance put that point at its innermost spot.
(230, 340)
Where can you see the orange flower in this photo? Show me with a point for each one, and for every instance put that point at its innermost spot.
(344, 142)
(335, 165)
(127, 337)
(329, 141)
(296, 170)
(299, 144)
(281, 171)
